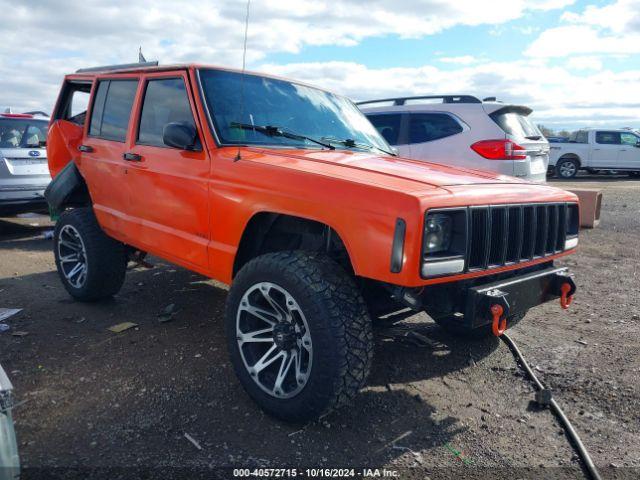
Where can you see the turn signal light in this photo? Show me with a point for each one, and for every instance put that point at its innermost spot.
(499, 150)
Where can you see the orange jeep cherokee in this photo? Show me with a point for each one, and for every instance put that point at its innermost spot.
(287, 193)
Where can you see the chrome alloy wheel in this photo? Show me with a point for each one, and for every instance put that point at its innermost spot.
(568, 169)
(274, 340)
(72, 256)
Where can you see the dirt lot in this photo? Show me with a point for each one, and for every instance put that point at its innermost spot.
(89, 398)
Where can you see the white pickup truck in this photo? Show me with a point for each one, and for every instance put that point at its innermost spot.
(595, 149)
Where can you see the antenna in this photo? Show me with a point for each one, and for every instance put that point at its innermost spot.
(141, 58)
(244, 63)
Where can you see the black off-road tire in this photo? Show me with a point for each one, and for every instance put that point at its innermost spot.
(567, 168)
(106, 258)
(453, 327)
(339, 324)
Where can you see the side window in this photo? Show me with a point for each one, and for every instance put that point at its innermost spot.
(582, 136)
(426, 127)
(74, 102)
(112, 109)
(629, 139)
(608, 138)
(165, 101)
(388, 125)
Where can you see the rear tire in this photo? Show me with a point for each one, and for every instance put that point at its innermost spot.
(307, 311)
(453, 327)
(91, 265)
(567, 168)
(634, 174)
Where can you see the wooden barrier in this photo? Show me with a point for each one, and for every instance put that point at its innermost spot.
(590, 205)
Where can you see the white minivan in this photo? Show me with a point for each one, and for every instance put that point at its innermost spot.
(463, 131)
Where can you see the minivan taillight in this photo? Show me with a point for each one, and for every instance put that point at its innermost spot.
(499, 150)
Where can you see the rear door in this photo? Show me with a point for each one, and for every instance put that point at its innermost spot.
(168, 186)
(606, 149)
(629, 156)
(102, 150)
(429, 136)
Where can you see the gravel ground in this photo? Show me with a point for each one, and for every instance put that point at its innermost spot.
(91, 399)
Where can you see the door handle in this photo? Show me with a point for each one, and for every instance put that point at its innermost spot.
(132, 157)
(596, 149)
(85, 148)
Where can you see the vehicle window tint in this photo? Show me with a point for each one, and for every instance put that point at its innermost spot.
(388, 126)
(426, 127)
(581, 136)
(515, 123)
(629, 139)
(165, 101)
(98, 108)
(608, 138)
(22, 133)
(118, 101)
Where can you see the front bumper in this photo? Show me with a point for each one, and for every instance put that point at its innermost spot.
(516, 295)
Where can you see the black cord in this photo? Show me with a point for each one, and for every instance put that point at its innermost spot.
(573, 435)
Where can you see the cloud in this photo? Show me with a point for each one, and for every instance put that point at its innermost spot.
(557, 96)
(41, 41)
(461, 60)
(612, 29)
(585, 63)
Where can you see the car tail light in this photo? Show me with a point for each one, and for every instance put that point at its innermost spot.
(499, 150)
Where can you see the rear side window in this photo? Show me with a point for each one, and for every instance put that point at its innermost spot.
(516, 124)
(112, 109)
(608, 138)
(427, 127)
(388, 126)
(165, 101)
(581, 136)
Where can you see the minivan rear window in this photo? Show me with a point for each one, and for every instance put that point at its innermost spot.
(516, 123)
(388, 125)
(112, 109)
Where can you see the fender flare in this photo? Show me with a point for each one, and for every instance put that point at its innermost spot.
(68, 187)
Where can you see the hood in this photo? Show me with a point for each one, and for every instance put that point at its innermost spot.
(379, 169)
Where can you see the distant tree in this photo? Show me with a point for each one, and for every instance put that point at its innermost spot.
(547, 132)
(564, 133)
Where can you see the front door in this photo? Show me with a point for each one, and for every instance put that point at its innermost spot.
(168, 186)
(605, 149)
(629, 150)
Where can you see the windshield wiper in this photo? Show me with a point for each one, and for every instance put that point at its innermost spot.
(351, 143)
(273, 131)
(533, 137)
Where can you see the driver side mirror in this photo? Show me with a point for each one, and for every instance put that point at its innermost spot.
(180, 135)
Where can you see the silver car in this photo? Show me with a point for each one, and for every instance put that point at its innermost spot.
(9, 462)
(24, 173)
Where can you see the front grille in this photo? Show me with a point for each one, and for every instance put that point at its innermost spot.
(507, 234)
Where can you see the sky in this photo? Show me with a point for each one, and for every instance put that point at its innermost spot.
(575, 62)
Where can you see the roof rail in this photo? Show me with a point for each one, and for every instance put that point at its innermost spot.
(445, 99)
(122, 66)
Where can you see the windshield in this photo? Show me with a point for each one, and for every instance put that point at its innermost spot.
(22, 132)
(294, 108)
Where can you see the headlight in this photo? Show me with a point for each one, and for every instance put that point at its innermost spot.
(437, 233)
(444, 242)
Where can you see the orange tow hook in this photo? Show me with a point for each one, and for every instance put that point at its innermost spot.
(565, 298)
(499, 324)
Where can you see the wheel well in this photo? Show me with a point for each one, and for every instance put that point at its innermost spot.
(67, 189)
(269, 232)
(570, 156)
